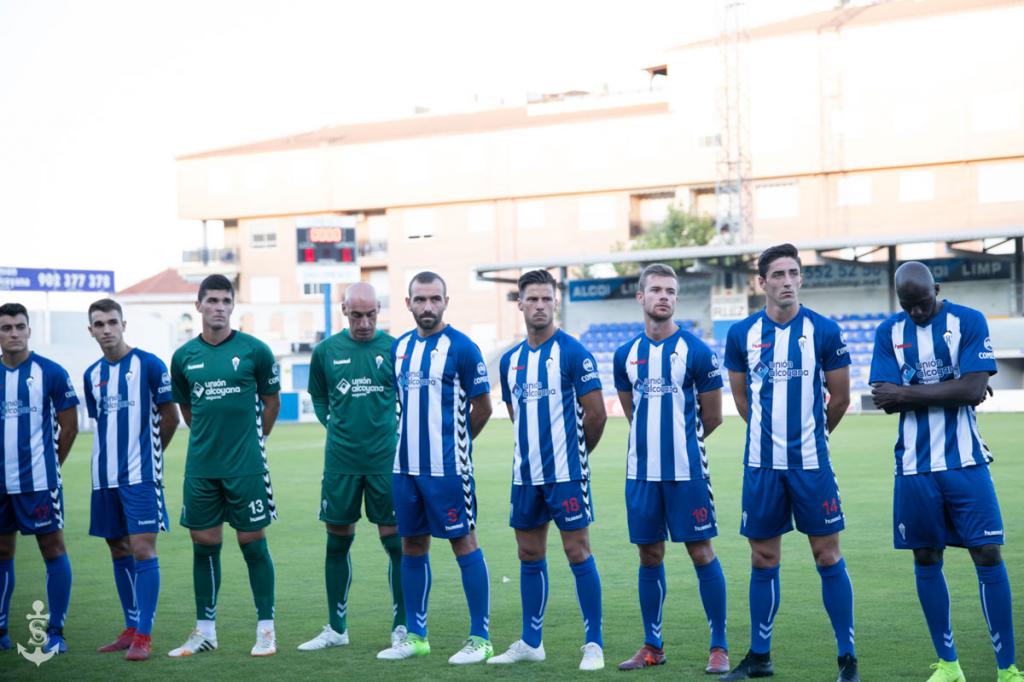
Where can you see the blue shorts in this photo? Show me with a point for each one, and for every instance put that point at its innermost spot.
(956, 507)
(656, 509)
(37, 513)
(773, 498)
(568, 504)
(434, 505)
(128, 510)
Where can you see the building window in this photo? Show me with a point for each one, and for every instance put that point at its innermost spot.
(480, 218)
(263, 240)
(853, 190)
(314, 288)
(777, 200)
(917, 186)
(530, 215)
(418, 223)
(999, 182)
(596, 214)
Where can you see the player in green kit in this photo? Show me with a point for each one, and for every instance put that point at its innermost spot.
(352, 385)
(227, 385)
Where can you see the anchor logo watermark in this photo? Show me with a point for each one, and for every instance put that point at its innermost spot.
(37, 623)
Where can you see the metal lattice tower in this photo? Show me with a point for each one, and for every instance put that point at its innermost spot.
(732, 177)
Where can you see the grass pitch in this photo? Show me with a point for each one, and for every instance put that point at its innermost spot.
(892, 640)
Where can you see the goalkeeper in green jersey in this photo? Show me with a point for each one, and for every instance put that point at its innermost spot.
(352, 385)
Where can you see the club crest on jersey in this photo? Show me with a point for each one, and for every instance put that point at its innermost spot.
(31, 380)
(947, 336)
(549, 362)
(128, 375)
(802, 341)
(674, 358)
(903, 531)
(234, 363)
(379, 360)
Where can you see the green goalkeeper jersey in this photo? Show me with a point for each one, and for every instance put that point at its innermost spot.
(352, 385)
(223, 384)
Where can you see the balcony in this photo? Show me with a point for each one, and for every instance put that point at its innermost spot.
(373, 253)
(199, 263)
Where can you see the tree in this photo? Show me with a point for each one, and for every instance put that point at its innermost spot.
(679, 228)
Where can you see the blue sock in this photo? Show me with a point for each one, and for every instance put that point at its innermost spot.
(933, 594)
(477, 586)
(58, 590)
(651, 588)
(765, 590)
(837, 593)
(588, 593)
(533, 591)
(6, 590)
(124, 581)
(996, 604)
(147, 587)
(711, 583)
(416, 592)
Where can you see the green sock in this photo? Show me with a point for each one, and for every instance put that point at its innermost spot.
(393, 546)
(206, 579)
(261, 577)
(338, 576)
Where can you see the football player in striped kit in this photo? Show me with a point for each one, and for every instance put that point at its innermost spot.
(445, 401)
(37, 428)
(552, 389)
(931, 364)
(128, 393)
(790, 378)
(670, 386)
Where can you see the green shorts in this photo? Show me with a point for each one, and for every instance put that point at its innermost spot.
(341, 496)
(245, 502)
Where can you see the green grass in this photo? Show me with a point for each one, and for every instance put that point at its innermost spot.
(892, 640)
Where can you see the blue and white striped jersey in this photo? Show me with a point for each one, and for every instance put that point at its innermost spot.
(785, 367)
(123, 397)
(666, 437)
(436, 376)
(953, 343)
(543, 385)
(34, 392)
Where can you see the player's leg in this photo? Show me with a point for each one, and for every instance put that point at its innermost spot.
(107, 521)
(646, 519)
(974, 512)
(380, 510)
(203, 512)
(145, 515)
(249, 512)
(451, 510)
(340, 497)
(529, 517)
(47, 521)
(8, 542)
(817, 508)
(414, 529)
(571, 507)
(766, 516)
(920, 524)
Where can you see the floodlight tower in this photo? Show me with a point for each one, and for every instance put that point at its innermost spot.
(732, 177)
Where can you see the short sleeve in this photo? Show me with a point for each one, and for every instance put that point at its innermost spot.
(90, 401)
(735, 355)
(268, 372)
(707, 373)
(583, 371)
(506, 390)
(976, 353)
(179, 382)
(158, 378)
(472, 370)
(884, 368)
(62, 390)
(834, 353)
(619, 374)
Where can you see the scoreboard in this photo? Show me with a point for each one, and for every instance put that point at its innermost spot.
(326, 244)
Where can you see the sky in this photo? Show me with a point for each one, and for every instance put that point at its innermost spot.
(98, 98)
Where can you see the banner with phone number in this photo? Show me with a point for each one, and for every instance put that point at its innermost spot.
(55, 279)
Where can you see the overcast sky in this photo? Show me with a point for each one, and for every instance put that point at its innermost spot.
(98, 98)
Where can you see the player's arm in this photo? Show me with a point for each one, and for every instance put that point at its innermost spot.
(186, 413)
(511, 412)
(710, 410)
(738, 383)
(68, 422)
(594, 418)
(626, 400)
(168, 423)
(969, 389)
(479, 412)
(318, 388)
(838, 383)
(271, 408)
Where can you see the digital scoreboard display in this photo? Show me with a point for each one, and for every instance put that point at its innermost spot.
(326, 244)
